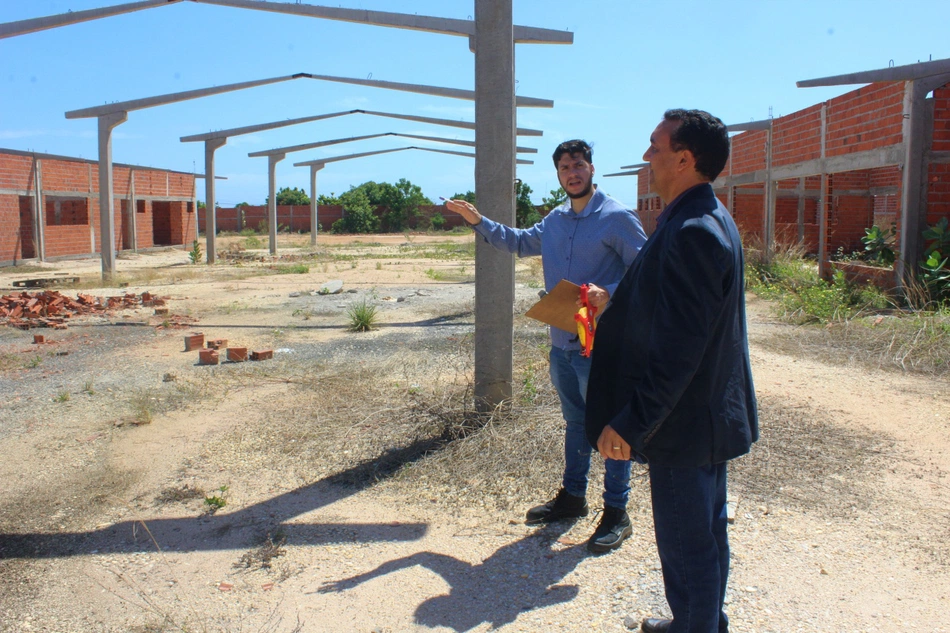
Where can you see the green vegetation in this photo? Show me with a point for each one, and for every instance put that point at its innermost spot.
(363, 316)
(526, 214)
(291, 196)
(215, 502)
(292, 269)
(194, 255)
(804, 297)
(878, 245)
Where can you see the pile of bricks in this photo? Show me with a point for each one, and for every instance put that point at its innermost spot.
(210, 355)
(52, 309)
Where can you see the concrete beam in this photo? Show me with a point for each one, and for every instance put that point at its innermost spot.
(520, 161)
(908, 72)
(150, 102)
(304, 146)
(445, 26)
(871, 159)
(453, 141)
(623, 173)
(765, 124)
(324, 161)
(451, 93)
(262, 127)
(634, 166)
(462, 124)
(23, 27)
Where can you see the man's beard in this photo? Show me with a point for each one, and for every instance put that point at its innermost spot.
(574, 196)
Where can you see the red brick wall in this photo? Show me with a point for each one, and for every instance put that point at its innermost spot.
(16, 172)
(938, 192)
(864, 119)
(297, 217)
(61, 176)
(941, 138)
(797, 137)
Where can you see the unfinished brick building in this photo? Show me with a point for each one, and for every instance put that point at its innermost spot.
(820, 176)
(49, 207)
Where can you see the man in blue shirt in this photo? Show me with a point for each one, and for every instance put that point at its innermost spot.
(590, 239)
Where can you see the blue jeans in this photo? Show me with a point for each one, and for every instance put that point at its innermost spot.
(569, 374)
(689, 517)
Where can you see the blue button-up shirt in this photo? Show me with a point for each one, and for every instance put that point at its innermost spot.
(594, 246)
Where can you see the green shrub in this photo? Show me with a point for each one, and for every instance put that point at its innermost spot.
(878, 245)
(362, 316)
(438, 222)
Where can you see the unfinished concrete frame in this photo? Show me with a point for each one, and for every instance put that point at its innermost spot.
(492, 37)
(216, 139)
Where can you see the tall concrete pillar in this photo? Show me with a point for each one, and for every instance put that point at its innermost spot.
(495, 190)
(107, 122)
(917, 135)
(823, 201)
(211, 205)
(314, 224)
(272, 161)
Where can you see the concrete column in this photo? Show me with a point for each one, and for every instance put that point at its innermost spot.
(314, 225)
(768, 222)
(39, 217)
(916, 134)
(823, 201)
(211, 220)
(272, 161)
(107, 122)
(494, 187)
(801, 210)
(133, 219)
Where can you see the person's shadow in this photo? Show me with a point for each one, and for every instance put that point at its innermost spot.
(517, 578)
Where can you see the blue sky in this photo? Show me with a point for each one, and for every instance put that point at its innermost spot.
(631, 59)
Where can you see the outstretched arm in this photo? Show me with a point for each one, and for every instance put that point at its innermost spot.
(468, 211)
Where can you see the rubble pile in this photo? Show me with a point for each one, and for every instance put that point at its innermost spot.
(52, 309)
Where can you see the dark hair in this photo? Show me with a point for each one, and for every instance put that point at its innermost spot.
(570, 148)
(704, 135)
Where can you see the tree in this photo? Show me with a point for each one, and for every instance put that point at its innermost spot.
(402, 201)
(358, 216)
(555, 199)
(468, 196)
(332, 199)
(525, 213)
(288, 196)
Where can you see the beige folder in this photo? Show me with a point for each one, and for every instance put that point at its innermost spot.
(558, 307)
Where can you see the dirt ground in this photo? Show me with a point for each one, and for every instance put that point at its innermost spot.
(113, 438)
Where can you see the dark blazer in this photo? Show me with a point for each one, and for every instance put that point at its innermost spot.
(671, 371)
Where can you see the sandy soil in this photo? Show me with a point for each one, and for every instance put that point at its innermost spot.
(851, 532)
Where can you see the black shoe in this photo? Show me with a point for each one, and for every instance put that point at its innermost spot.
(613, 529)
(563, 506)
(655, 625)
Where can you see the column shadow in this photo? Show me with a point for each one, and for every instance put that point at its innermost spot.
(517, 578)
(244, 527)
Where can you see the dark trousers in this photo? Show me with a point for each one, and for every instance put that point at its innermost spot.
(689, 518)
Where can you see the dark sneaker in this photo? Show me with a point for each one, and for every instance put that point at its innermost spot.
(563, 506)
(613, 529)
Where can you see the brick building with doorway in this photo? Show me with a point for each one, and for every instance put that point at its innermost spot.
(49, 207)
(819, 177)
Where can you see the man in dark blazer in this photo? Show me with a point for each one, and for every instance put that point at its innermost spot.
(671, 382)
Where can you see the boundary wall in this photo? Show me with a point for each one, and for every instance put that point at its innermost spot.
(296, 218)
